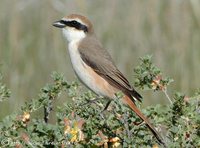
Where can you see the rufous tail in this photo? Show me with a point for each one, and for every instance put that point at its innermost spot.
(127, 100)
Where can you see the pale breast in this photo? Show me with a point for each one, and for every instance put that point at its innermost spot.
(90, 78)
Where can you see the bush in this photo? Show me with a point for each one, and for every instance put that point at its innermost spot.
(81, 122)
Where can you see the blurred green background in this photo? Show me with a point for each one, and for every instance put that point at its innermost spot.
(31, 48)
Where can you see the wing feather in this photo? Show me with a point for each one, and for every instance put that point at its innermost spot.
(99, 59)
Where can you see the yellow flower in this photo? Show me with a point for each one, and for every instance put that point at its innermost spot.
(155, 146)
(73, 130)
(156, 83)
(26, 117)
(115, 142)
(115, 139)
(176, 138)
(67, 129)
(74, 134)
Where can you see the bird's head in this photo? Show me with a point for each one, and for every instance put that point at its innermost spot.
(75, 27)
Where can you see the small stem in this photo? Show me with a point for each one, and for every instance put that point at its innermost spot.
(124, 121)
(47, 110)
(31, 145)
(163, 89)
(165, 92)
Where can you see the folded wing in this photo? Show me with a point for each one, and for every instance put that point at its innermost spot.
(99, 59)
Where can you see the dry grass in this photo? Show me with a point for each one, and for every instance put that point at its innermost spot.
(30, 48)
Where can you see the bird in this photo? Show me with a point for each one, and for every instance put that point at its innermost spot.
(94, 66)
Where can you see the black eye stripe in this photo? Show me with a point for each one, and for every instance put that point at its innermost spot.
(75, 24)
(63, 22)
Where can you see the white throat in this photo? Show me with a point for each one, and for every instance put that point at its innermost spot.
(74, 37)
(71, 34)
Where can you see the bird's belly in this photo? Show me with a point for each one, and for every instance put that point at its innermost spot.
(89, 77)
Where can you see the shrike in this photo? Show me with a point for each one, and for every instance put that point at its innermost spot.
(94, 66)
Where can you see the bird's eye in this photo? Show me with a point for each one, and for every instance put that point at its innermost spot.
(74, 22)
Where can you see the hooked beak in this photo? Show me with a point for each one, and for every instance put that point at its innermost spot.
(59, 24)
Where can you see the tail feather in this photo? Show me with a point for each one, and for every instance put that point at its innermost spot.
(127, 100)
